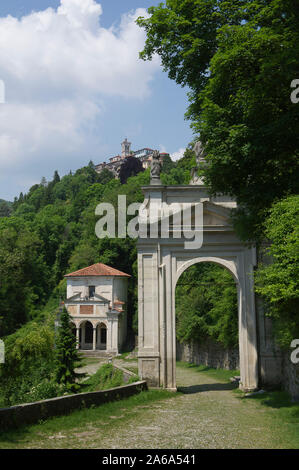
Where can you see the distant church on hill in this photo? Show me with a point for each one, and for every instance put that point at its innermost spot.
(114, 164)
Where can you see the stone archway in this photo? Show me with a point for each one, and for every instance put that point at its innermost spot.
(161, 261)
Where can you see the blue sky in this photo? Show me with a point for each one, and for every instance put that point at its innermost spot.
(75, 88)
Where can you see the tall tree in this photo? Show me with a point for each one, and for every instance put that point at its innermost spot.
(5, 209)
(238, 59)
(105, 176)
(277, 279)
(56, 177)
(131, 167)
(67, 357)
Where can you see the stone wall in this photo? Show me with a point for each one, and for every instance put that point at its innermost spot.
(30, 413)
(290, 376)
(208, 353)
(275, 367)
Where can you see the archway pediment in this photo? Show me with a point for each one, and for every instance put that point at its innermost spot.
(216, 215)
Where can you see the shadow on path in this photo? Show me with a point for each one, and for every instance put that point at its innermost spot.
(214, 387)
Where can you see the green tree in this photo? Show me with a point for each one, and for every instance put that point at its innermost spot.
(5, 209)
(24, 275)
(105, 176)
(29, 364)
(238, 59)
(206, 305)
(131, 167)
(168, 164)
(67, 357)
(277, 277)
(56, 177)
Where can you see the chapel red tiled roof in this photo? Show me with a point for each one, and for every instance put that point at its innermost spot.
(98, 269)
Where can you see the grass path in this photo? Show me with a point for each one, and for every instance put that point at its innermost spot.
(208, 414)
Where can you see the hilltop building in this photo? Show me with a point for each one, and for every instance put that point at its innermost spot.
(114, 163)
(125, 148)
(96, 301)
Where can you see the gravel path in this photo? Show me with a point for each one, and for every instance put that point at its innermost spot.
(208, 415)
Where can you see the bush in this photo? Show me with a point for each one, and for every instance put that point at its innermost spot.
(106, 377)
(277, 280)
(34, 384)
(29, 361)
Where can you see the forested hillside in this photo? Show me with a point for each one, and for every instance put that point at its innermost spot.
(5, 208)
(51, 231)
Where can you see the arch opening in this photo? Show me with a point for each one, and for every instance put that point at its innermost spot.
(101, 340)
(86, 335)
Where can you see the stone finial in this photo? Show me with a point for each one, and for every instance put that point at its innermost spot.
(156, 167)
(199, 152)
(200, 159)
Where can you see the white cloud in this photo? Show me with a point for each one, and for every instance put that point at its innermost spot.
(58, 66)
(177, 155)
(40, 131)
(65, 51)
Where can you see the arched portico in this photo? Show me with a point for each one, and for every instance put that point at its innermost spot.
(161, 261)
(86, 335)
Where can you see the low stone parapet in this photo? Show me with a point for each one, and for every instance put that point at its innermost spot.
(30, 413)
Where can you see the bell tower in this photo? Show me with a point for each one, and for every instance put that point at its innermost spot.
(125, 148)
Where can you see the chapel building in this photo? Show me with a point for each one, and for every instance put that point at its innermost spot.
(97, 303)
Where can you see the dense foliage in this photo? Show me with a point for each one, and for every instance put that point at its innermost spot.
(51, 231)
(28, 372)
(277, 279)
(238, 59)
(5, 208)
(131, 167)
(206, 305)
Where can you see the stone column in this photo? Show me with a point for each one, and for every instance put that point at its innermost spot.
(115, 335)
(108, 336)
(170, 340)
(148, 316)
(83, 336)
(77, 337)
(112, 336)
(247, 324)
(94, 337)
